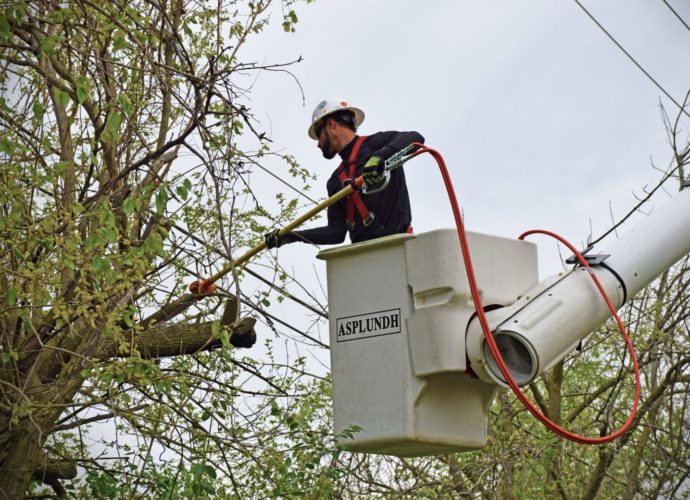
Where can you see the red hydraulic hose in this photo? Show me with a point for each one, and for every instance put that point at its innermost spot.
(487, 330)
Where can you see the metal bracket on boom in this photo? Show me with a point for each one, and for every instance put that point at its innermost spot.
(391, 164)
(592, 260)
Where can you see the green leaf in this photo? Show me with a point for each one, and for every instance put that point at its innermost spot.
(20, 11)
(128, 206)
(56, 16)
(11, 297)
(82, 89)
(114, 120)
(120, 42)
(39, 110)
(61, 97)
(48, 44)
(97, 262)
(211, 471)
(7, 147)
(110, 234)
(81, 94)
(197, 470)
(4, 106)
(187, 184)
(182, 192)
(4, 26)
(125, 104)
(161, 200)
(275, 410)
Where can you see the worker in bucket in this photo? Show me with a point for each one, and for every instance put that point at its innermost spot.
(364, 216)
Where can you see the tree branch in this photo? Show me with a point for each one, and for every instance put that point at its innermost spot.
(51, 470)
(182, 338)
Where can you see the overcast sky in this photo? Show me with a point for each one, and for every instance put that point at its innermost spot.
(542, 120)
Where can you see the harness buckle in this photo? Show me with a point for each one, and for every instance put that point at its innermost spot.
(350, 182)
(370, 218)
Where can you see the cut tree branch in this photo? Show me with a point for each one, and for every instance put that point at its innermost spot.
(182, 338)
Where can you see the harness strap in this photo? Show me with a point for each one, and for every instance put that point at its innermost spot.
(353, 199)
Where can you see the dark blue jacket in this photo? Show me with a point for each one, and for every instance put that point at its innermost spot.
(391, 207)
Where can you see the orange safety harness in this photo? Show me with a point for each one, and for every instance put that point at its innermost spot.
(353, 199)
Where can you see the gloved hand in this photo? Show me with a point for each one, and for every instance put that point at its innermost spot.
(272, 239)
(372, 171)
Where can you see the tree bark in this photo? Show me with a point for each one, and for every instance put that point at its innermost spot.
(174, 339)
(51, 471)
(182, 338)
(159, 341)
(554, 386)
(18, 461)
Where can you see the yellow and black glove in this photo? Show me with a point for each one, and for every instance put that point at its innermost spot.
(372, 171)
(272, 239)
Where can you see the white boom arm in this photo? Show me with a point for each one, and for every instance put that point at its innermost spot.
(548, 322)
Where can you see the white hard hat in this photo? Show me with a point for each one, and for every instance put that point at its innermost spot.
(330, 106)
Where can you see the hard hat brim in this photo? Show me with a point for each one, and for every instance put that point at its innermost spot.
(359, 118)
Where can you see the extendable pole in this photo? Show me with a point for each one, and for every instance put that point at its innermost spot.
(178, 306)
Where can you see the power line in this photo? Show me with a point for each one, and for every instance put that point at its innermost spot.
(633, 59)
(676, 14)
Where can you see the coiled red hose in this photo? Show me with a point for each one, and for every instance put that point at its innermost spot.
(467, 258)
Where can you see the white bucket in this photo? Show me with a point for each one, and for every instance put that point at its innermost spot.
(399, 307)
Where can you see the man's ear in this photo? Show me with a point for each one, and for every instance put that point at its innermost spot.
(330, 124)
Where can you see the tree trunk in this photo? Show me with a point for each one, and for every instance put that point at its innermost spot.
(19, 459)
(507, 478)
(554, 385)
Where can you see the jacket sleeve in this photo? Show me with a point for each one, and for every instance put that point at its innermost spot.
(333, 233)
(386, 144)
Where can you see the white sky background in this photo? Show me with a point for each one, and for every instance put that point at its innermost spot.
(541, 119)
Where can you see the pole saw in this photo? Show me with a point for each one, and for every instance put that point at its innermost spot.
(200, 289)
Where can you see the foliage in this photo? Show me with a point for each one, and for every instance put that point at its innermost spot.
(128, 147)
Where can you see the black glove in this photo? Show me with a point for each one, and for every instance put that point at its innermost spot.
(272, 239)
(372, 171)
